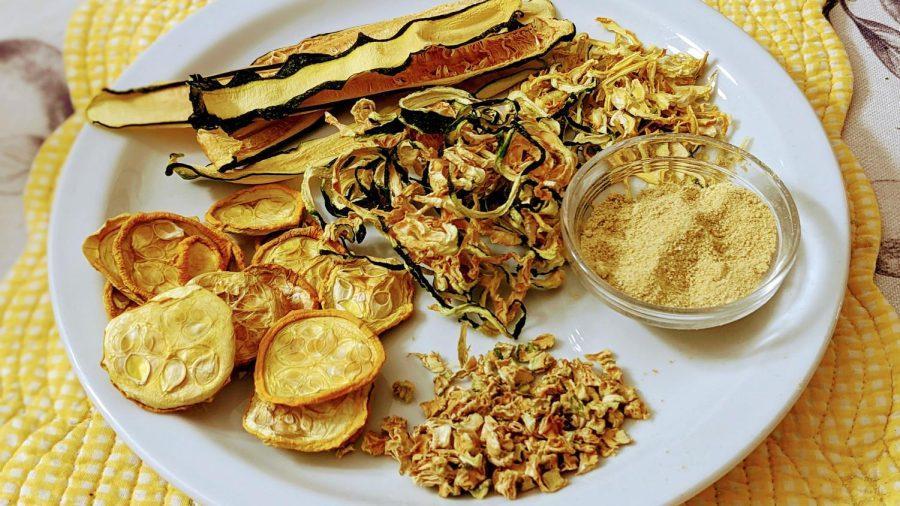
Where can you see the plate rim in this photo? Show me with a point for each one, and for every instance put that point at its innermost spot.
(228, 8)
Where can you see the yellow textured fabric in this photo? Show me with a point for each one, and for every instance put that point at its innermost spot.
(839, 444)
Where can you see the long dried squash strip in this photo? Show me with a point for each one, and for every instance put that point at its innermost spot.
(168, 104)
(338, 42)
(279, 167)
(228, 151)
(485, 37)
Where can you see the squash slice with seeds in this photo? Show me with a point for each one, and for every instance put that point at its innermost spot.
(282, 166)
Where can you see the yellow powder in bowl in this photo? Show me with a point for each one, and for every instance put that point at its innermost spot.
(682, 245)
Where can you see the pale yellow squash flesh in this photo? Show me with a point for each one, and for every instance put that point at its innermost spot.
(168, 104)
(450, 31)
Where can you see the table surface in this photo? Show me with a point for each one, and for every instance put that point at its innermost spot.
(34, 100)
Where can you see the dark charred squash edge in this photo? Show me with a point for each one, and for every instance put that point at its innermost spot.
(168, 85)
(293, 143)
(174, 84)
(361, 36)
(294, 63)
(189, 172)
(199, 84)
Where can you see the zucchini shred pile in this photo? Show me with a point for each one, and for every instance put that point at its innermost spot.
(465, 182)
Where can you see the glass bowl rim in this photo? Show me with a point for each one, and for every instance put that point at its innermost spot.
(783, 259)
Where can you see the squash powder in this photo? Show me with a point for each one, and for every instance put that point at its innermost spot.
(680, 244)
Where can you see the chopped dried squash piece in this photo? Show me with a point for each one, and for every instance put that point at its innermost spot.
(403, 390)
(510, 420)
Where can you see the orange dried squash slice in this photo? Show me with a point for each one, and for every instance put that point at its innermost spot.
(175, 351)
(483, 37)
(115, 302)
(312, 428)
(379, 296)
(198, 255)
(300, 250)
(258, 296)
(258, 210)
(98, 249)
(238, 262)
(312, 356)
(147, 248)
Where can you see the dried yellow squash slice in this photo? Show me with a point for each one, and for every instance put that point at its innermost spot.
(175, 351)
(258, 297)
(98, 249)
(379, 296)
(258, 210)
(311, 428)
(115, 301)
(198, 255)
(311, 356)
(147, 247)
(299, 250)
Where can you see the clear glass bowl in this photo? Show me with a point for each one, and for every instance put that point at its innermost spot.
(707, 157)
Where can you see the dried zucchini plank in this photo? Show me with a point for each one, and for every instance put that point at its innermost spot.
(338, 42)
(228, 151)
(422, 53)
(168, 104)
(280, 167)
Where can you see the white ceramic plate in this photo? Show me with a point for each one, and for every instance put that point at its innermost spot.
(714, 394)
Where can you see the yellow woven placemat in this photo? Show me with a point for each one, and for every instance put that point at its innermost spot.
(839, 444)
